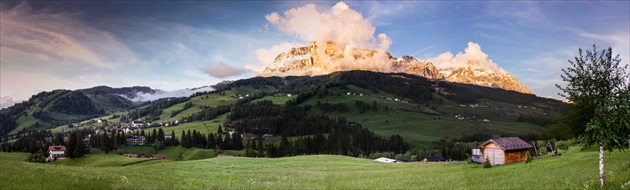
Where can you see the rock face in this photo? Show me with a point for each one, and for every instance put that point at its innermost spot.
(306, 61)
(472, 75)
(408, 64)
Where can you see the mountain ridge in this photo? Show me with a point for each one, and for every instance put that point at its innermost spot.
(306, 60)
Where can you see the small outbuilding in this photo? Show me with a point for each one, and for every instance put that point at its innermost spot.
(505, 150)
(386, 160)
(433, 159)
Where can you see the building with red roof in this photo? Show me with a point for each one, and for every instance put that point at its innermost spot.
(56, 152)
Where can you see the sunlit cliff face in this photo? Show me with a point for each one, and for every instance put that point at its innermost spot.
(318, 60)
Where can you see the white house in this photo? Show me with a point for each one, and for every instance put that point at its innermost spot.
(56, 152)
(137, 123)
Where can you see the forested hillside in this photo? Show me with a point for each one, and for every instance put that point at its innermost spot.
(60, 107)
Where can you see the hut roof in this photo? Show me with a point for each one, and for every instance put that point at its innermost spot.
(57, 148)
(435, 159)
(508, 143)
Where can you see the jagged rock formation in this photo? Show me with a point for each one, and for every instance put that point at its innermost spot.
(411, 65)
(477, 76)
(306, 61)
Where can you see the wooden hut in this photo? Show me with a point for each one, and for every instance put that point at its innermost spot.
(505, 150)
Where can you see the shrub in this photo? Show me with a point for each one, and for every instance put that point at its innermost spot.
(563, 145)
(487, 164)
(529, 158)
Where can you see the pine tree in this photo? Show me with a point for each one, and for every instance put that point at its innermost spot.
(211, 142)
(184, 141)
(219, 142)
(189, 140)
(160, 135)
(81, 148)
(106, 142)
(487, 164)
(285, 147)
(227, 142)
(237, 142)
(71, 145)
(59, 139)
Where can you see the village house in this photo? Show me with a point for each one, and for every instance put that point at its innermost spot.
(433, 159)
(56, 152)
(502, 151)
(137, 124)
(135, 140)
(130, 155)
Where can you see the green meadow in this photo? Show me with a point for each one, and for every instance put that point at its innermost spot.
(574, 170)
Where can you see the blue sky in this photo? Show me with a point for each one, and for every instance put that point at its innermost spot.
(173, 45)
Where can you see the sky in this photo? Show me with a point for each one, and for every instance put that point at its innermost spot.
(173, 45)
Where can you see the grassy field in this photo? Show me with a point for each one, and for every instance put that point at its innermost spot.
(173, 152)
(574, 170)
(103, 160)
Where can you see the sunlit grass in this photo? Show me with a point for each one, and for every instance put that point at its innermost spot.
(574, 170)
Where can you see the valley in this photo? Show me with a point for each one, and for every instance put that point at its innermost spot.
(454, 111)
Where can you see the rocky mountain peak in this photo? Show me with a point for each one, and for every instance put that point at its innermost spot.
(306, 61)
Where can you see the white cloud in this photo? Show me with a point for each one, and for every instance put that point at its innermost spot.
(221, 70)
(168, 94)
(6, 102)
(267, 56)
(472, 53)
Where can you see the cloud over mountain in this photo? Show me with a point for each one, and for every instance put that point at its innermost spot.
(472, 53)
(349, 32)
(221, 70)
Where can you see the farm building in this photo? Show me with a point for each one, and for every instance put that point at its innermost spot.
(433, 159)
(159, 156)
(56, 152)
(503, 150)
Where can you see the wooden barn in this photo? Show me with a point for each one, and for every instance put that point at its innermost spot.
(505, 150)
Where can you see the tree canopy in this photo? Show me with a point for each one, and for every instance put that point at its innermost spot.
(598, 85)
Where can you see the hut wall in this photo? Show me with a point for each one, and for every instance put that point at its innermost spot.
(515, 156)
(494, 153)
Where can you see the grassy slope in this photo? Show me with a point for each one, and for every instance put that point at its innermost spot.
(419, 129)
(575, 170)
